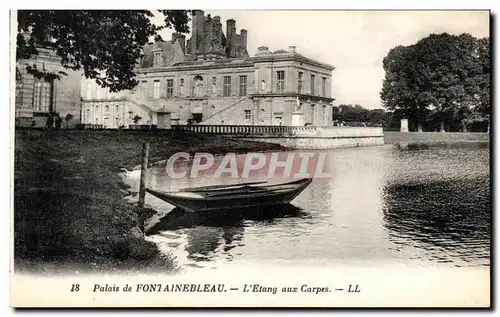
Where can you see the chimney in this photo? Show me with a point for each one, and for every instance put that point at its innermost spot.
(195, 22)
(262, 50)
(291, 49)
(208, 29)
(201, 21)
(197, 29)
(243, 33)
(230, 28)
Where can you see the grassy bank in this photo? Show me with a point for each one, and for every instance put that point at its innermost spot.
(425, 145)
(407, 141)
(434, 137)
(69, 211)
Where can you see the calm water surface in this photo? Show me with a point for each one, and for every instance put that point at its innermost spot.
(383, 206)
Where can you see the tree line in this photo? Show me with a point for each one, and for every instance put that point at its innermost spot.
(356, 115)
(440, 83)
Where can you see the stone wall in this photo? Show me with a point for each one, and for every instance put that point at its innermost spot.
(321, 143)
(296, 137)
(409, 137)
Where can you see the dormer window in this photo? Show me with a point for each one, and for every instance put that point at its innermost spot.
(157, 60)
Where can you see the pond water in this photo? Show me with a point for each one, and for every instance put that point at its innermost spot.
(382, 206)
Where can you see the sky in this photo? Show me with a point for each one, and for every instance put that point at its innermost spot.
(354, 42)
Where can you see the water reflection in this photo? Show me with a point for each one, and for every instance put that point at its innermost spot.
(215, 232)
(381, 206)
(448, 219)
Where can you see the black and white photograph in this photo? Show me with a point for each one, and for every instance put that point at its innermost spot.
(250, 158)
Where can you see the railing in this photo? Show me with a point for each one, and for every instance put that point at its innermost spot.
(232, 129)
(283, 131)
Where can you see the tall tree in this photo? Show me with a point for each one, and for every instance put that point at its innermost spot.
(399, 90)
(441, 78)
(105, 44)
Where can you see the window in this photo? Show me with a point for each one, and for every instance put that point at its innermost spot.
(198, 86)
(106, 109)
(143, 89)
(313, 114)
(324, 118)
(248, 114)
(243, 85)
(263, 85)
(300, 78)
(281, 81)
(214, 85)
(313, 79)
(323, 86)
(98, 93)
(170, 88)
(157, 61)
(182, 86)
(278, 118)
(88, 93)
(227, 86)
(42, 96)
(87, 117)
(156, 89)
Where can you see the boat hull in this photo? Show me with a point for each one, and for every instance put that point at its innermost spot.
(237, 201)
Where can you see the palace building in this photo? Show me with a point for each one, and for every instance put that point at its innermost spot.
(36, 99)
(211, 79)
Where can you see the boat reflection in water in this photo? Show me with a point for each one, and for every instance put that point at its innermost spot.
(206, 236)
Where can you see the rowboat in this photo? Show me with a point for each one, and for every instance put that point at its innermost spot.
(234, 196)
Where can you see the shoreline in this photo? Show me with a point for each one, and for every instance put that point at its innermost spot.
(70, 206)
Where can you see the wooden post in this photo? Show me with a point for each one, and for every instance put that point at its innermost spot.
(144, 171)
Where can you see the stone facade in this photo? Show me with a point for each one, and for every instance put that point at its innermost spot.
(117, 110)
(35, 98)
(210, 79)
(216, 82)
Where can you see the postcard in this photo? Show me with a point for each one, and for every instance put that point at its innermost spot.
(205, 158)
